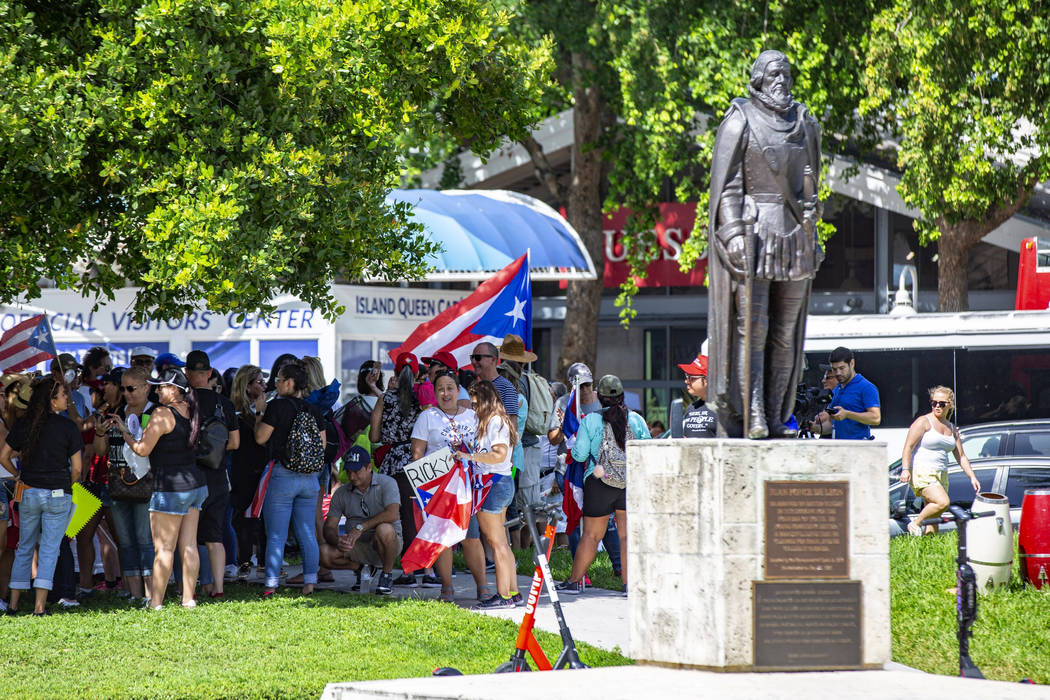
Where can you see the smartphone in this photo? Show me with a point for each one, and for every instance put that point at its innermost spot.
(832, 410)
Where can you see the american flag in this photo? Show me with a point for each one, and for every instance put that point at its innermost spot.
(27, 344)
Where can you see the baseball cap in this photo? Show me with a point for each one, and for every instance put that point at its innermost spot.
(356, 458)
(610, 385)
(67, 362)
(579, 373)
(173, 376)
(444, 357)
(198, 360)
(824, 366)
(406, 359)
(141, 351)
(697, 367)
(113, 376)
(169, 359)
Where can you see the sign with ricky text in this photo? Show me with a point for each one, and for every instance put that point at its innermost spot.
(424, 474)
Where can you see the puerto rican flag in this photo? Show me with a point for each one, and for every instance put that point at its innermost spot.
(254, 509)
(448, 516)
(572, 493)
(500, 306)
(27, 344)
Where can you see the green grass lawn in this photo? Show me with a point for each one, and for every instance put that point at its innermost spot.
(246, 647)
(1011, 638)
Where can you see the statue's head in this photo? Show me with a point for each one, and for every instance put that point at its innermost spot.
(771, 79)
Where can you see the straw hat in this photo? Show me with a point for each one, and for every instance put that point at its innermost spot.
(513, 348)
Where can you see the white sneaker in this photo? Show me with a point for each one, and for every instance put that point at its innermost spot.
(68, 603)
(914, 528)
(230, 572)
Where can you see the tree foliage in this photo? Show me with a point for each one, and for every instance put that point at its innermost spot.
(965, 88)
(228, 151)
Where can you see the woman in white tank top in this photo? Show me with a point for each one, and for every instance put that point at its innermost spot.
(925, 459)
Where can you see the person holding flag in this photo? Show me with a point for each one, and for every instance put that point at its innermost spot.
(601, 444)
(495, 438)
(569, 411)
(446, 425)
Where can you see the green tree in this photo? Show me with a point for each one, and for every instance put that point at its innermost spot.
(228, 151)
(965, 87)
(648, 82)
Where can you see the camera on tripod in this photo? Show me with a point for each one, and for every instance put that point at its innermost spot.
(809, 401)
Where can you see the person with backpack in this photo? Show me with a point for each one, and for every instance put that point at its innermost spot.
(294, 430)
(215, 409)
(601, 444)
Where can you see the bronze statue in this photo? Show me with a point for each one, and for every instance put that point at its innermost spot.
(763, 236)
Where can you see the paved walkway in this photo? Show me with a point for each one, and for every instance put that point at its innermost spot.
(598, 616)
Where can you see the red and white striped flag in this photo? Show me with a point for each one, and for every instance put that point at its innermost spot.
(448, 515)
(25, 345)
(254, 510)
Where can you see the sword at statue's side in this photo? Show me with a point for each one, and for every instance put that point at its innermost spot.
(750, 216)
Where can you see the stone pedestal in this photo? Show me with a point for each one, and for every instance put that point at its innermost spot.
(698, 555)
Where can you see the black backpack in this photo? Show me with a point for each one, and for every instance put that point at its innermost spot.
(212, 438)
(305, 450)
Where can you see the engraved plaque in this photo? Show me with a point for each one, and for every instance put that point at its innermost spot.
(807, 529)
(807, 624)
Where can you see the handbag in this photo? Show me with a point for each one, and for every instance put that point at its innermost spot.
(123, 486)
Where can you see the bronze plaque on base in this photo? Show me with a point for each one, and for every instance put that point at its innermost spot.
(807, 624)
(807, 529)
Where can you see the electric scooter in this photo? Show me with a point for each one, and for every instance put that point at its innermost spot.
(526, 641)
(966, 591)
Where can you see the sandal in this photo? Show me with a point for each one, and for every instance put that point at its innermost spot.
(447, 595)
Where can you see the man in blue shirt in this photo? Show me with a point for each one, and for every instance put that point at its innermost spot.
(854, 402)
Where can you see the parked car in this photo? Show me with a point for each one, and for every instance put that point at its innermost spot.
(1006, 475)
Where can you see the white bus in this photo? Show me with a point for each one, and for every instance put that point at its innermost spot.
(998, 363)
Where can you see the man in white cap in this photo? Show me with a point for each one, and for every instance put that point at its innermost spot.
(143, 356)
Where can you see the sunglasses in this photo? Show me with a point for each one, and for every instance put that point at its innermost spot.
(478, 358)
(129, 389)
(938, 404)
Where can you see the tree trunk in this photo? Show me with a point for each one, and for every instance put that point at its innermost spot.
(953, 257)
(956, 242)
(583, 299)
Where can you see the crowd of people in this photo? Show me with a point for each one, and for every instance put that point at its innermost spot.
(205, 477)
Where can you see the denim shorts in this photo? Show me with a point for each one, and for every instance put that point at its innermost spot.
(500, 495)
(178, 502)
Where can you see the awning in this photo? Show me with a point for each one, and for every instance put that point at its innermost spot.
(483, 231)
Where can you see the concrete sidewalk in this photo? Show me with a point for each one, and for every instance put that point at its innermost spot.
(597, 616)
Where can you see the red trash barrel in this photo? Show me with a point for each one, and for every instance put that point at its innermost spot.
(1033, 538)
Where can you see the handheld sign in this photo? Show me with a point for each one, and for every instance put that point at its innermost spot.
(424, 474)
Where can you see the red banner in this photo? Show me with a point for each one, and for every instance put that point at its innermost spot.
(672, 230)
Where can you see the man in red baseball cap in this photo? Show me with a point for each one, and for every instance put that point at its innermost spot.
(698, 421)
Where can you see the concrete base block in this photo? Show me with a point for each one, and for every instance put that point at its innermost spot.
(696, 542)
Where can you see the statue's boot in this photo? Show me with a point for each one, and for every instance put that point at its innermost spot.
(759, 430)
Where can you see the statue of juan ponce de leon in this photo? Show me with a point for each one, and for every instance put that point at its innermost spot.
(764, 252)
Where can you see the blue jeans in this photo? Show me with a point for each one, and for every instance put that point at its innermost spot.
(290, 497)
(43, 520)
(131, 521)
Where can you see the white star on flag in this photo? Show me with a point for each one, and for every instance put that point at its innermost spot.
(516, 312)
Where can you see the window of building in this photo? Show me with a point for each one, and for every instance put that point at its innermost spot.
(849, 262)
(270, 350)
(225, 354)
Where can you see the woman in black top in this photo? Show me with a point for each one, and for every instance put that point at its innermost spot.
(247, 464)
(179, 487)
(48, 447)
(291, 495)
